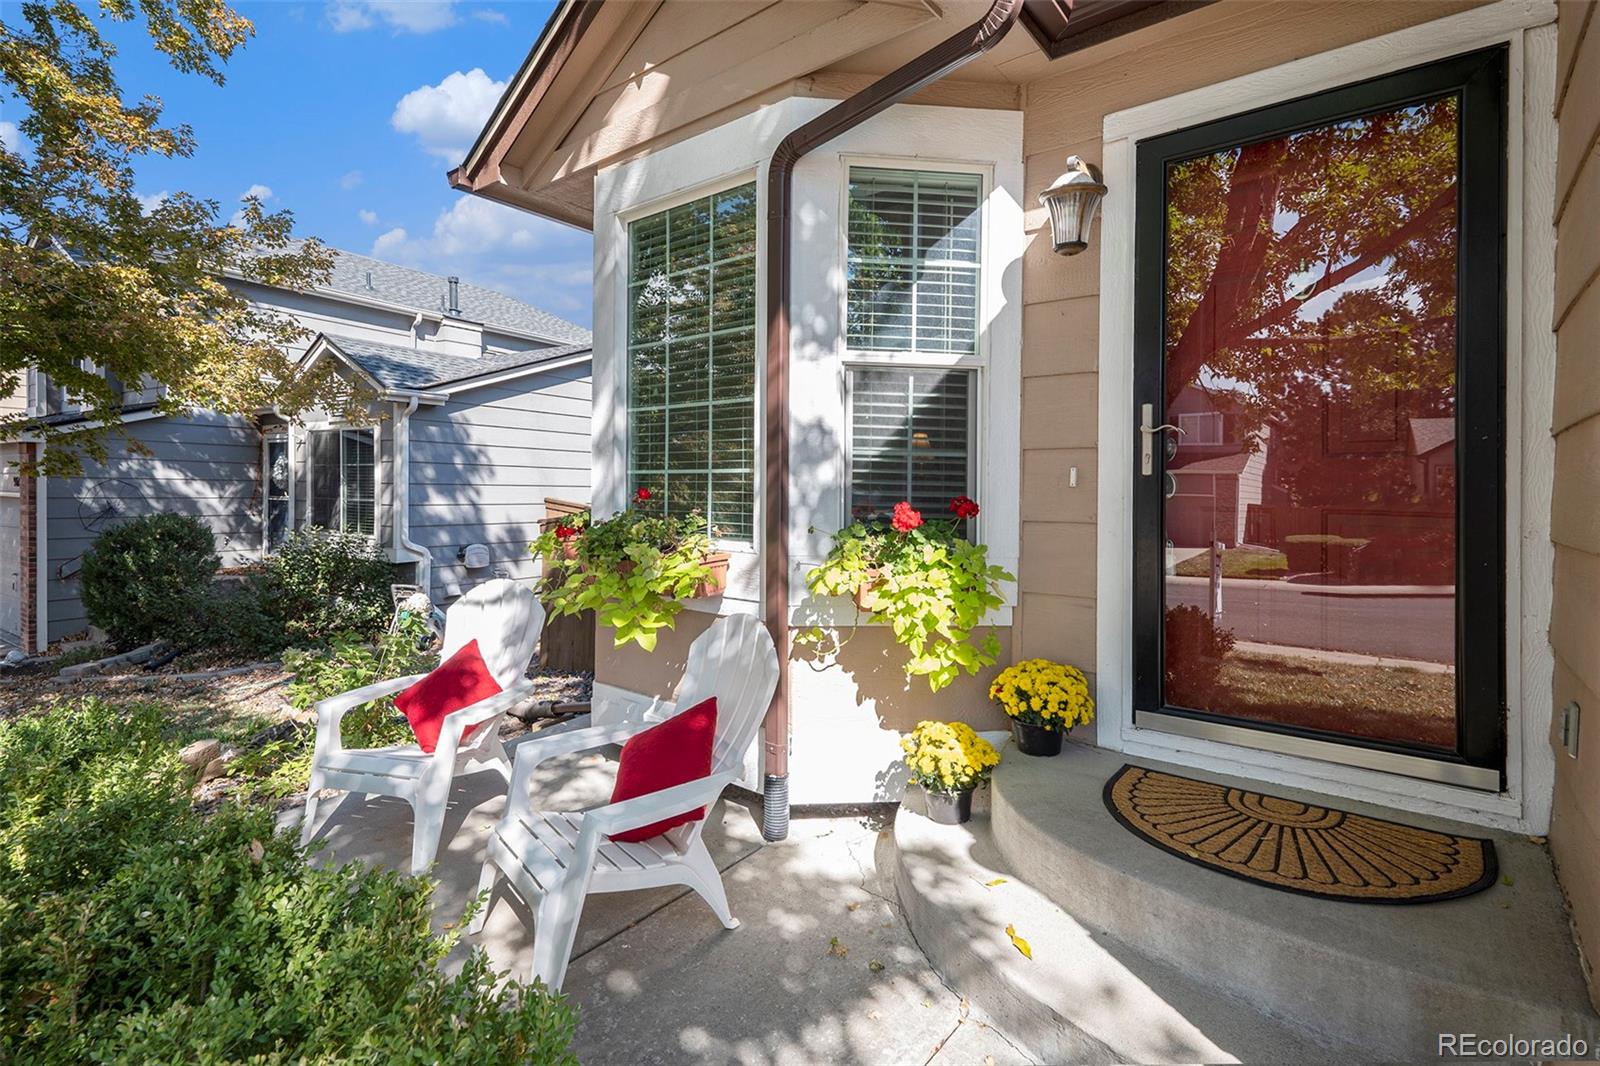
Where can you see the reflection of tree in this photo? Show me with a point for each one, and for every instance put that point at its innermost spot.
(1321, 261)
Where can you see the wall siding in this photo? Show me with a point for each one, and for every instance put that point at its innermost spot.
(202, 464)
(482, 465)
(1574, 632)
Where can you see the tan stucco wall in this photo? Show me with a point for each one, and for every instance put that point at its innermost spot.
(1575, 509)
(1063, 114)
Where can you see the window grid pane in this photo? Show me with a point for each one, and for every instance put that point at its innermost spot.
(910, 439)
(914, 260)
(691, 359)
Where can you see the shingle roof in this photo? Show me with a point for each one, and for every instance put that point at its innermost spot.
(363, 276)
(1428, 434)
(1233, 463)
(411, 370)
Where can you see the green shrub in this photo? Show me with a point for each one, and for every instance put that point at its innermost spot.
(326, 582)
(244, 617)
(148, 578)
(136, 930)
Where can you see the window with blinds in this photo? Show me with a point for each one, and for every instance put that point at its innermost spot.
(910, 439)
(692, 359)
(913, 262)
(344, 480)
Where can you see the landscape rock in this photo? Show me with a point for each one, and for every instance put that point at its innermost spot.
(216, 768)
(200, 754)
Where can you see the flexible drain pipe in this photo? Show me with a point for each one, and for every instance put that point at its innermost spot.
(952, 53)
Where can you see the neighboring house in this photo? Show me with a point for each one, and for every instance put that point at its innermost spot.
(482, 412)
(1216, 471)
(897, 252)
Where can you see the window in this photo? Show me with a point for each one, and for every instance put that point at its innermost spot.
(276, 479)
(1203, 427)
(914, 275)
(913, 263)
(910, 439)
(692, 359)
(344, 480)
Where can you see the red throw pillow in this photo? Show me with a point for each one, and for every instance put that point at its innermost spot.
(673, 753)
(459, 681)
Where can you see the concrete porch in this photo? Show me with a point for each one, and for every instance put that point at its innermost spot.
(1140, 956)
(822, 969)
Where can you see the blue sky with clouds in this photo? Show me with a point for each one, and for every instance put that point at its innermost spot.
(350, 112)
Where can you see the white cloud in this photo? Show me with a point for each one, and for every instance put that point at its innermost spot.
(401, 16)
(446, 118)
(489, 14)
(148, 202)
(351, 179)
(369, 218)
(13, 140)
(534, 259)
(260, 192)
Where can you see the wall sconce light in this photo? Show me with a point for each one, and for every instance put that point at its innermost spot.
(1073, 199)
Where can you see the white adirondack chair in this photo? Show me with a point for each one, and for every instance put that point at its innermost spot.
(555, 858)
(505, 619)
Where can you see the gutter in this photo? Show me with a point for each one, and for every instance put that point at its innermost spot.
(954, 52)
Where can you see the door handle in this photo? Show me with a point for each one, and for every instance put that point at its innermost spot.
(1147, 435)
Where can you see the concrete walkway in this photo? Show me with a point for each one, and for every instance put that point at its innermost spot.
(822, 969)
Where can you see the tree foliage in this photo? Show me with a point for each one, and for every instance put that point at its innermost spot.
(102, 292)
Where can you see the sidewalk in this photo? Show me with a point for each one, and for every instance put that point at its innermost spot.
(822, 969)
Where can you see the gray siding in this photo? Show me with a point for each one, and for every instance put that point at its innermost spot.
(200, 464)
(482, 465)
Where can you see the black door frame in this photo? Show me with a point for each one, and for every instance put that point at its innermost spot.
(1479, 80)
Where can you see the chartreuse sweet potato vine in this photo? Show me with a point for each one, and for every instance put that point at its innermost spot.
(926, 580)
(634, 569)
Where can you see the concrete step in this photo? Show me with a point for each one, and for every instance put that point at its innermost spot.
(1082, 997)
(1387, 979)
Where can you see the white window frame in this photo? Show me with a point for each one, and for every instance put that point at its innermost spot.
(977, 361)
(376, 430)
(642, 211)
(1529, 31)
(1210, 418)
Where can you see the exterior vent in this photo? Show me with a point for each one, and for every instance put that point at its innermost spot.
(453, 306)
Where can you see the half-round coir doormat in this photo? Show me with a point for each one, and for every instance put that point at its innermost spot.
(1295, 846)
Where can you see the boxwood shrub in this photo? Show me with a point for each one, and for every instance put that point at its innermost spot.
(148, 578)
(134, 930)
(326, 582)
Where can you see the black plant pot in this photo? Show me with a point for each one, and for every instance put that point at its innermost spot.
(1035, 739)
(949, 808)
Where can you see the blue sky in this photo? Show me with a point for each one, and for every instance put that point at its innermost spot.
(350, 112)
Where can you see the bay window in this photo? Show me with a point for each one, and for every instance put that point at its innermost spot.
(914, 275)
(691, 347)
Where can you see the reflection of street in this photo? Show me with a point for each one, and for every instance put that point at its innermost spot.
(1275, 612)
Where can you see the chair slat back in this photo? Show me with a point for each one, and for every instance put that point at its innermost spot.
(504, 618)
(736, 662)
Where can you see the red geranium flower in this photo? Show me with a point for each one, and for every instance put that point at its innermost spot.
(964, 507)
(565, 532)
(905, 519)
(642, 495)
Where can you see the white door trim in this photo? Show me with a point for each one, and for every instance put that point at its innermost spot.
(1527, 26)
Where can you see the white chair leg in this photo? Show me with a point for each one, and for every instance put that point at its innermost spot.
(308, 820)
(555, 927)
(486, 883)
(703, 876)
(429, 817)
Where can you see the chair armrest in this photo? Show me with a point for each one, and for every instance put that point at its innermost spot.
(654, 806)
(530, 753)
(459, 721)
(334, 708)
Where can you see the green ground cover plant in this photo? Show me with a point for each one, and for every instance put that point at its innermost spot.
(133, 929)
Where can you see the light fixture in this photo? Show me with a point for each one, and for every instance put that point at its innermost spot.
(1073, 199)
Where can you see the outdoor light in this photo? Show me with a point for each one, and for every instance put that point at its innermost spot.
(1073, 200)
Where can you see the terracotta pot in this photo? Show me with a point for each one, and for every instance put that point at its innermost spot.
(718, 581)
(866, 596)
(1035, 739)
(949, 808)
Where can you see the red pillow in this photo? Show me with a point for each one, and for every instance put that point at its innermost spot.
(673, 753)
(458, 682)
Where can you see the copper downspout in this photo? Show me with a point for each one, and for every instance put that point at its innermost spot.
(954, 52)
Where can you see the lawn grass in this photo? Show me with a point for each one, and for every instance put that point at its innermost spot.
(1381, 702)
(1237, 562)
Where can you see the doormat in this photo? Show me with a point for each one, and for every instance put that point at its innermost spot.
(1297, 847)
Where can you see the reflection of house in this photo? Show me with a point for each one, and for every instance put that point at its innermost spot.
(1433, 457)
(1216, 471)
(491, 393)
